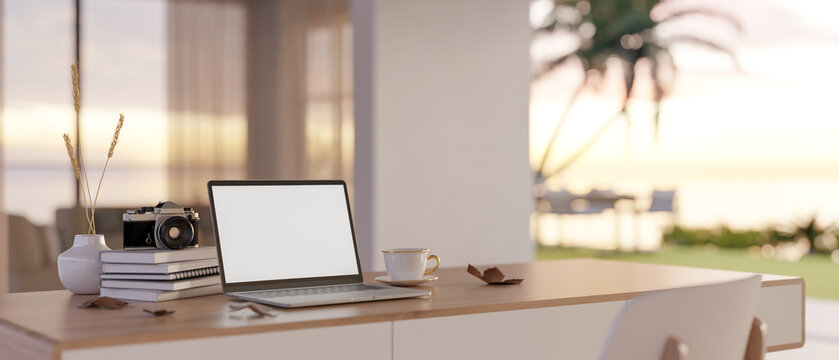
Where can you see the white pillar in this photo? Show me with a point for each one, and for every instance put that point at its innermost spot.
(441, 110)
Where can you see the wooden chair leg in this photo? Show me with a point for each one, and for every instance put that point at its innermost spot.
(674, 349)
(755, 348)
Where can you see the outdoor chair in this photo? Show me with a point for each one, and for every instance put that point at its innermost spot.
(663, 201)
(652, 220)
(709, 322)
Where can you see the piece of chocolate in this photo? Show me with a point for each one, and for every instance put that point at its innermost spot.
(492, 276)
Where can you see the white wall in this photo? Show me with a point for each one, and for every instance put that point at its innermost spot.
(441, 91)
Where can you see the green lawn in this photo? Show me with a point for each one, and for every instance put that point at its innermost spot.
(819, 272)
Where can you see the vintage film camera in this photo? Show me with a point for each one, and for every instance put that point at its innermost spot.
(165, 226)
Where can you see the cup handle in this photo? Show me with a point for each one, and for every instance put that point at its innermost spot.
(435, 257)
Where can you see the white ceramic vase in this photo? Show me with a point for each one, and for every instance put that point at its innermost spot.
(79, 266)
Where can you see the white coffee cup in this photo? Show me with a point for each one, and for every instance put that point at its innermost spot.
(408, 263)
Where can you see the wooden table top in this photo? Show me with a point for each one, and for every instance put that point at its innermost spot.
(53, 319)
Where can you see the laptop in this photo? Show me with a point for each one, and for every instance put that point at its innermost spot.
(290, 244)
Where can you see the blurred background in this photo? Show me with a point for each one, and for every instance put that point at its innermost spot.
(686, 122)
(725, 103)
(698, 133)
(685, 132)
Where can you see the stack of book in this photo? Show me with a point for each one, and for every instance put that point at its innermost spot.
(159, 275)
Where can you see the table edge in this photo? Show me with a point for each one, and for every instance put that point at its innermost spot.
(60, 346)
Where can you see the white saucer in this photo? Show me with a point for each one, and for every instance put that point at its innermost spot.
(386, 279)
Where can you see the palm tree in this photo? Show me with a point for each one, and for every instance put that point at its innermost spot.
(629, 31)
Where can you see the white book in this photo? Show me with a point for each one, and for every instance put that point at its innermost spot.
(162, 285)
(159, 295)
(165, 268)
(180, 275)
(157, 256)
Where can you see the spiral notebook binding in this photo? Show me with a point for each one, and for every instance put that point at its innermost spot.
(188, 274)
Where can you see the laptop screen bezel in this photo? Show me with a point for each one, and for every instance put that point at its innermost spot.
(283, 283)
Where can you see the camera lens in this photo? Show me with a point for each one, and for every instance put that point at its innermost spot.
(174, 233)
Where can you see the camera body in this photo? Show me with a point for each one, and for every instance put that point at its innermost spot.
(165, 226)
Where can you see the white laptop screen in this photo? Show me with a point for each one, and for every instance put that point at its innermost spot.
(280, 232)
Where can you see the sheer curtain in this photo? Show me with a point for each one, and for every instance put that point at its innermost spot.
(259, 89)
(329, 121)
(207, 104)
(300, 81)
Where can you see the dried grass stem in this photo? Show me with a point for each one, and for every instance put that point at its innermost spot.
(71, 152)
(79, 170)
(114, 142)
(77, 99)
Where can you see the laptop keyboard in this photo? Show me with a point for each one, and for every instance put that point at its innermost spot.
(314, 291)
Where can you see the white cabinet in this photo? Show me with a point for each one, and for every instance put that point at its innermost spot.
(563, 332)
(781, 308)
(364, 341)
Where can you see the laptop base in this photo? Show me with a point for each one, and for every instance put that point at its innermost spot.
(382, 293)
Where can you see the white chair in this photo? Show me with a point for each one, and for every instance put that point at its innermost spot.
(709, 322)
